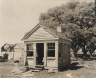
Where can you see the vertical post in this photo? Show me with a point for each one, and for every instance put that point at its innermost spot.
(13, 56)
(45, 54)
(35, 54)
(25, 53)
(95, 7)
(56, 53)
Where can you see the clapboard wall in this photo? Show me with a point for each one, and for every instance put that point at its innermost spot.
(41, 34)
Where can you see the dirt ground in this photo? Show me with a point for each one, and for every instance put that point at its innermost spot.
(80, 68)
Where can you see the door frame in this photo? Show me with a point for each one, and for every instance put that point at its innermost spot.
(37, 53)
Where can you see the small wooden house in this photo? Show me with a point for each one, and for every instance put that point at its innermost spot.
(47, 47)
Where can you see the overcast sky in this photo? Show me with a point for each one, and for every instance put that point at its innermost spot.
(20, 16)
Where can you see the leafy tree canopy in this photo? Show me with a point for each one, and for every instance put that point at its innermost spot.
(77, 20)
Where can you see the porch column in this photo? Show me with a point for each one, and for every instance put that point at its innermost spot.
(25, 53)
(45, 54)
(56, 53)
(35, 54)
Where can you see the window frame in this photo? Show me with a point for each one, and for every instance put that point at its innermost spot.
(29, 49)
(51, 47)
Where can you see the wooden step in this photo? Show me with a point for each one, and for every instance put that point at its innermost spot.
(39, 66)
(35, 70)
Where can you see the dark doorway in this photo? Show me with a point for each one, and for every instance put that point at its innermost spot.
(40, 53)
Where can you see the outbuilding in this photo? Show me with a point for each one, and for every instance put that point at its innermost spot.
(47, 47)
(14, 51)
(18, 52)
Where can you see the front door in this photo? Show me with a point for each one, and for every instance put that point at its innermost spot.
(40, 54)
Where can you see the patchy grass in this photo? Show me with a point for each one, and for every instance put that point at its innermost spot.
(79, 68)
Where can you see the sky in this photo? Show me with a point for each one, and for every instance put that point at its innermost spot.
(19, 16)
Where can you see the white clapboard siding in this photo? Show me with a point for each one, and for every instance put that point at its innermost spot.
(41, 34)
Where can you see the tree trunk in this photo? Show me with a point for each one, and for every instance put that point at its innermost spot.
(75, 51)
(84, 50)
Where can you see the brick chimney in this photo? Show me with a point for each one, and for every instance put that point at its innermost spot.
(59, 29)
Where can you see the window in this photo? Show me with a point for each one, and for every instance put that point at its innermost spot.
(51, 49)
(29, 50)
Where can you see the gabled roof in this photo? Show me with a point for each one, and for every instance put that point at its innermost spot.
(50, 30)
(10, 46)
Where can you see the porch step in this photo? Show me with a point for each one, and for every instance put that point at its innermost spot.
(35, 70)
(38, 68)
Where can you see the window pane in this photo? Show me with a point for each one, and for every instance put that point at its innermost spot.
(53, 47)
(48, 47)
(54, 44)
(51, 53)
(51, 44)
(29, 53)
(48, 44)
(29, 46)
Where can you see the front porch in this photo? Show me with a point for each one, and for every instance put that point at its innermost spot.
(42, 53)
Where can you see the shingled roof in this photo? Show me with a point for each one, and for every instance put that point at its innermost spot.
(50, 30)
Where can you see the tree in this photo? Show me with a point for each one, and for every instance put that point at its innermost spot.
(78, 22)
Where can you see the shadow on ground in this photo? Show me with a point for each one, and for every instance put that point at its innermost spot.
(73, 66)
